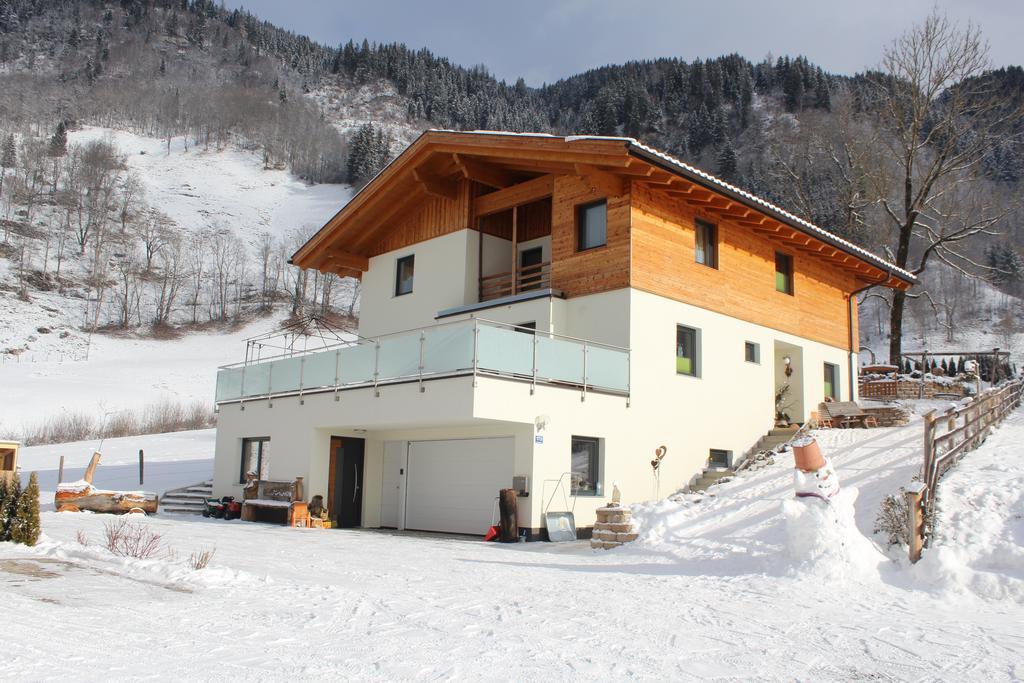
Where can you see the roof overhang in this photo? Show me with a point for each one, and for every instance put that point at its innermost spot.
(434, 163)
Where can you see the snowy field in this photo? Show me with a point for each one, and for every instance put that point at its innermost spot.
(716, 589)
(122, 373)
(171, 461)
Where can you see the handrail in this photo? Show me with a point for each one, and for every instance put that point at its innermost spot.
(943, 450)
(423, 329)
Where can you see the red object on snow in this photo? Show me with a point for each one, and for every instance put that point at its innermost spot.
(492, 534)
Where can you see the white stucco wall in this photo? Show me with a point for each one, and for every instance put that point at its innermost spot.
(446, 276)
(729, 406)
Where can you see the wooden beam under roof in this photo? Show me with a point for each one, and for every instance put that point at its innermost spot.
(435, 185)
(601, 181)
(380, 222)
(515, 195)
(486, 174)
(337, 258)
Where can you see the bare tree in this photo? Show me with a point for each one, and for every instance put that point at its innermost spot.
(941, 117)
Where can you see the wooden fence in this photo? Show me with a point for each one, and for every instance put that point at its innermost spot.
(947, 437)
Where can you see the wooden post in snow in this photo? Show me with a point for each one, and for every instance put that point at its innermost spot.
(60, 470)
(915, 521)
(508, 508)
(142, 467)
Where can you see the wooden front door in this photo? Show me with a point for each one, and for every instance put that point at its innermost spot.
(345, 491)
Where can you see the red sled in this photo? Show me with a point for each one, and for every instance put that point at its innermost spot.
(492, 534)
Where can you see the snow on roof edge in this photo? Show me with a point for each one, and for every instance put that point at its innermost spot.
(633, 142)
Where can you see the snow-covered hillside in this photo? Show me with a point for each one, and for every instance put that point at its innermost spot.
(203, 189)
(714, 592)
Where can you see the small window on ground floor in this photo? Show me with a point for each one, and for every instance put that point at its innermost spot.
(586, 458)
(687, 351)
(255, 458)
(719, 458)
(831, 380)
(752, 352)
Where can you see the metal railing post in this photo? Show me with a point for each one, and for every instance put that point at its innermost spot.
(270, 384)
(629, 377)
(423, 341)
(302, 379)
(337, 374)
(533, 384)
(476, 348)
(376, 367)
(241, 392)
(583, 396)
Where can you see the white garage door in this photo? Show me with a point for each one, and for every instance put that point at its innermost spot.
(452, 485)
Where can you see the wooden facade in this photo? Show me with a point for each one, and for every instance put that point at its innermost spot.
(522, 187)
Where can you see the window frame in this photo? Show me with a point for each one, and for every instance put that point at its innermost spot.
(835, 380)
(789, 277)
(411, 259)
(242, 469)
(708, 246)
(695, 370)
(594, 464)
(581, 210)
(748, 345)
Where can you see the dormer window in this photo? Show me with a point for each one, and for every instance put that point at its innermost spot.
(592, 225)
(403, 274)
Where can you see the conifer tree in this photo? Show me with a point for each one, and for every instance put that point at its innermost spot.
(728, 163)
(8, 158)
(4, 493)
(59, 141)
(10, 508)
(25, 525)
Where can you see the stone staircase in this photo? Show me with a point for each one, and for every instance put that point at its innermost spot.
(769, 442)
(188, 500)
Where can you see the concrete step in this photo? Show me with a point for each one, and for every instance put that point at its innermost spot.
(178, 510)
(787, 432)
(184, 502)
(189, 494)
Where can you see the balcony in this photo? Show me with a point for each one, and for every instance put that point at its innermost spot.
(468, 347)
(524, 279)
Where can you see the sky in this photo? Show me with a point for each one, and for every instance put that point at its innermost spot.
(544, 40)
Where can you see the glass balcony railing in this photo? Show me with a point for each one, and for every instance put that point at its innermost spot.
(468, 347)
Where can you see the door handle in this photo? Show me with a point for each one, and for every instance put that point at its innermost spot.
(355, 489)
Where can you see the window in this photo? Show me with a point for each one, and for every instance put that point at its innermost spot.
(719, 458)
(586, 457)
(255, 458)
(831, 380)
(403, 274)
(783, 273)
(751, 352)
(706, 244)
(591, 225)
(687, 351)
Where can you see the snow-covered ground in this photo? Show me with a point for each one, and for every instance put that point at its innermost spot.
(171, 461)
(120, 373)
(714, 590)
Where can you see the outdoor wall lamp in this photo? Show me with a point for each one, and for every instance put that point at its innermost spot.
(789, 365)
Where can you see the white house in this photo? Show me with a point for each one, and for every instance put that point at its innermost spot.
(547, 308)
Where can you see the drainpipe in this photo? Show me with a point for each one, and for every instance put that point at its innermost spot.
(849, 329)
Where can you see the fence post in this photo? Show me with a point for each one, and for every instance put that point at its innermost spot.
(60, 471)
(142, 468)
(929, 448)
(915, 520)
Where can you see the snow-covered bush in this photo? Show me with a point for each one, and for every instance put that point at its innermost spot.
(892, 519)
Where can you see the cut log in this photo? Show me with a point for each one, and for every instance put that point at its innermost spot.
(91, 469)
(509, 509)
(82, 495)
